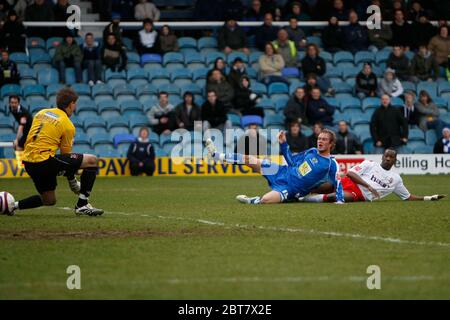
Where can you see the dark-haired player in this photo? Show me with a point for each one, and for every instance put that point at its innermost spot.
(52, 130)
(24, 120)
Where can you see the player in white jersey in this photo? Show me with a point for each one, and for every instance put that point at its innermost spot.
(369, 181)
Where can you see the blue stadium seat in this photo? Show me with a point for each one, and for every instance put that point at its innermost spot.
(53, 89)
(118, 125)
(266, 103)
(150, 58)
(47, 76)
(416, 135)
(254, 57)
(36, 42)
(19, 57)
(199, 73)
(328, 57)
(159, 76)
(146, 90)
(277, 87)
(430, 87)
(123, 138)
(234, 119)
(364, 56)
(422, 149)
(397, 102)
(276, 119)
(101, 89)
(187, 42)
(36, 105)
(193, 88)
(444, 87)
(363, 118)
(128, 43)
(164, 139)
(106, 151)
(124, 91)
(409, 86)
(382, 56)
(94, 122)
(108, 108)
(42, 58)
(6, 123)
(182, 73)
(290, 73)
(206, 42)
(139, 122)
(82, 89)
(82, 138)
(349, 103)
(212, 56)
(342, 56)
(130, 105)
(53, 42)
(351, 72)
(169, 88)
(173, 57)
(27, 76)
(430, 137)
(34, 90)
(248, 120)
(343, 88)
(334, 72)
(9, 89)
(315, 40)
(280, 103)
(371, 102)
(133, 58)
(236, 54)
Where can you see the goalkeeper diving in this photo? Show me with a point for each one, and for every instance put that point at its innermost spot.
(304, 172)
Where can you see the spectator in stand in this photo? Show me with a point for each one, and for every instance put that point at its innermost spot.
(233, 8)
(146, 10)
(338, 10)
(269, 6)
(168, 41)
(265, 33)
(141, 155)
(8, 70)
(355, 35)
(251, 142)
(423, 30)
(443, 143)
(312, 63)
(399, 62)
(254, 13)
(428, 113)
(295, 110)
(219, 64)
(346, 142)
(390, 85)
(188, 113)
(113, 55)
(366, 82)
(14, 33)
(232, 37)
(214, 113)
(113, 28)
(311, 83)
(424, 66)
(409, 111)
(318, 109)
(92, 59)
(68, 54)
(39, 11)
(4, 8)
(379, 38)
(296, 34)
(245, 100)
(225, 92)
(123, 7)
(440, 46)
(333, 36)
(297, 12)
(161, 115)
(207, 10)
(401, 31)
(24, 120)
(237, 71)
(312, 139)
(60, 14)
(270, 65)
(148, 41)
(296, 140)
(286, 48)
(388, 127)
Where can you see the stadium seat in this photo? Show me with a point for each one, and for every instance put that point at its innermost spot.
(36, 42)
(382, 56)
(42, 58)
(128, 43)
(108, 108)
(9, 89)
(290, 73)
(328, 57)
(342, 56)
(236, 54)
(430, 137)
(334, 72)
(94, 122)
(193, 88)
(416, 135)
(212, 56)
(277, 87)
(6, 123)
(33, 90)
(351, 72)
(159, 76)
(234, 119)
(53, 42)
(182, 73)
(133, 58)
(171, 89)
(123, 138)
(409, 86)
(118, 125)
(173, 57)
(101, 89)
(444, 87)
(150, 58)
(82, 89)
(187, 42)
(364, 56)
(430, 87)
(47, 76)
(276, 119)
(343, 88)
(147, 90)
(130, 105)
(82, 138)
(139, 122)
(206, 42)
(349, 103)
(106, 151)
(422, 149)
(19, 57)
(53, 89)
(199, 73)
(371, 102)
(124, 92)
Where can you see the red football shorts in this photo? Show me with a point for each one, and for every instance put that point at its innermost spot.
(349, 186)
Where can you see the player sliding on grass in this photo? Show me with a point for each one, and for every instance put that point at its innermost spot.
(369, 181)
(303, 173)
(52, 130)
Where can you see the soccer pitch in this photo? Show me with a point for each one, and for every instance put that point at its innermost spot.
(187, 238)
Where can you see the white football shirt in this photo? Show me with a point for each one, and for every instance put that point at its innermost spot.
(384, 181)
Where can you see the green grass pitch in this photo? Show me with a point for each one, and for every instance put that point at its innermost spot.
(187, 238)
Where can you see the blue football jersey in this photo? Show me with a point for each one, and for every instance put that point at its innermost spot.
(308, 170)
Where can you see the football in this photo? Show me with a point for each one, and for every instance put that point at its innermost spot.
(6, 203)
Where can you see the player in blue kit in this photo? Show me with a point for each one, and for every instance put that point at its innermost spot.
(303, 173)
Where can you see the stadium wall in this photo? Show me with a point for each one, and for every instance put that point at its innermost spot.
(166, 166)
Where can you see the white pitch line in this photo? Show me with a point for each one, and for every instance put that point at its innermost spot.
(295, 230)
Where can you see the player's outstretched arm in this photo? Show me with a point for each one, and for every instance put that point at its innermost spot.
(285, 151)
(358, 180)
(434, 197)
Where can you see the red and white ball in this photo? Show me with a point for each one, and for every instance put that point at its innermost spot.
(6, 203)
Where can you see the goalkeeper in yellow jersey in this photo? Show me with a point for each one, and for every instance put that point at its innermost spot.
(52, 130)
